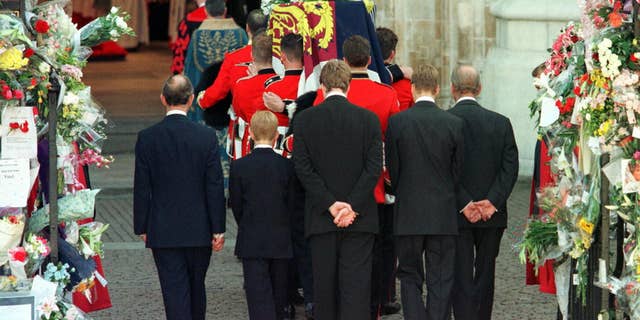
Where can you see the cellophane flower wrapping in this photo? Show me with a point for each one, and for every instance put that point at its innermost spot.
(110, 27)
(10, 236)
(73, 207)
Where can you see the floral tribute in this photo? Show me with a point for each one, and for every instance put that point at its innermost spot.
(588, 106)
(32, 52)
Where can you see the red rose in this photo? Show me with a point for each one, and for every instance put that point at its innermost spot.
(576, 91)
(14, 125)
(34, 82)
(7, 95)
(574, 38)
(28, 53)
(41, 26)
(24, 127)
(559, 104)
(20, 255)
(633, 57)
(17, 94)
(13, 219)
(570, 102)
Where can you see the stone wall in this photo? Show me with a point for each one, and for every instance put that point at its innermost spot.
(504, 39)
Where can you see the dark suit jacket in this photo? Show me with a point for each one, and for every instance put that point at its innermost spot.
(178, 189)
(491, 161)
(424, 151)
(262, 194)
(338, 157)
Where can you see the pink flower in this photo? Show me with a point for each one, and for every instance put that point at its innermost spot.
(636, 155)
(18, 254)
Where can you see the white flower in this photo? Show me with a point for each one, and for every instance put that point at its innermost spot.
(44, 68)
(121, 23)
(70, 99)
(606, 43)
(587, 117)
(48, 306)
(114, 34)
(114, 10)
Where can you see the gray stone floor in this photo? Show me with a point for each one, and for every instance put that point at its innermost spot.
(129, 91)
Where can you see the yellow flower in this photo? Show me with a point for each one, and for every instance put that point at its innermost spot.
(12, 59)
(586, 226)
(370, 5)
(604, 128)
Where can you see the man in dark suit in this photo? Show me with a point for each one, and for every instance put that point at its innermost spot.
(489, 174)
(262, 197)
(179, 208)
(338, 158)
(424, 151)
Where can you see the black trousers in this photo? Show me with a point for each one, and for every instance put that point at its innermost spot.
(438, 252)
(342, 275)
(383, 276)
(477, 250)
(182, 272)
(265, 282)
(301, 248)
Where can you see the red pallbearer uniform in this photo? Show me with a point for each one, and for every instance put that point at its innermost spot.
(287, 89)
(247, 99)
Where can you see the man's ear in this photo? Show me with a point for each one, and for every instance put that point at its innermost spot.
(164, 100)
(323, 89)
(190, 102)
(369, 63)
(392, 55)
(479, 90)
(436, 91)
(251, 134)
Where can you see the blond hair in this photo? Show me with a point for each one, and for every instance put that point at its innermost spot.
(335, 75)
(425, 78)
(264, 126)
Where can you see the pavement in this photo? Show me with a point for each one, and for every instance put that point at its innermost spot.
(129, 91)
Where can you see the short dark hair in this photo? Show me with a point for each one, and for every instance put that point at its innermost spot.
(177, 90)
(262, 48)
(388, 41)
(356, 51)
(256, 21)
(215, 8)
(292, 45)
(425, 77)
(335, 75)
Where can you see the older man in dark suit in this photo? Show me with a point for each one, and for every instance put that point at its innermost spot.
(424, 151)
(338, 158)
(179, 207)
(489, 174)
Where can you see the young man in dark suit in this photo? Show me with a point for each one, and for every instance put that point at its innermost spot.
(179, 208)
(488, 176)
(424, 153)
(262, 199)
(338, 158)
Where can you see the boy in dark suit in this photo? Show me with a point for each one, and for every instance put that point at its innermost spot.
(262, 194)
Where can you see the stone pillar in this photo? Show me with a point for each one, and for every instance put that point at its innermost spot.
(524, 31)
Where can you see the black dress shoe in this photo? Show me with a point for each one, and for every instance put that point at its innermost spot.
(391, 308)
(308, 311)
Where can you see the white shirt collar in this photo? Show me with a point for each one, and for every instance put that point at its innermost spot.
(466, 98)
(202, 4)
(262, 146)
(426, 98)
(180, 112)
(335, 93)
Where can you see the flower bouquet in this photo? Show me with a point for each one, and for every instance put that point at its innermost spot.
(72, 207)
(17, 261)
(11, 228)
(37, 249)
(90, 243)
(110, 27)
